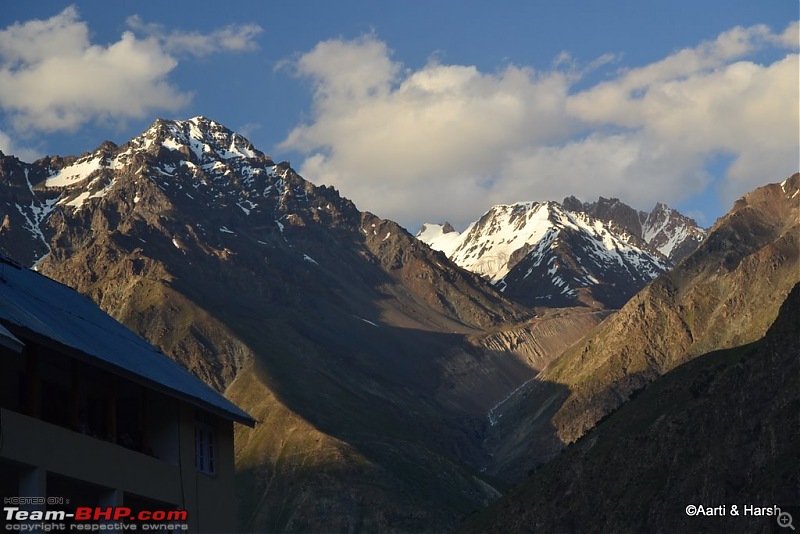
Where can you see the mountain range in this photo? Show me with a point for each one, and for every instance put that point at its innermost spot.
(724, 295)
(397, 387)
(674, 235)
(370, 360)
(551, 254)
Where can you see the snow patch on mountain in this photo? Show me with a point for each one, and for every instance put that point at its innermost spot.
(76, 172)
(486, 246)
(441, 237)
(567, 250)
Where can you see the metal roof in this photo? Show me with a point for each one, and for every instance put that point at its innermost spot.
(31, 303)
(10, 341)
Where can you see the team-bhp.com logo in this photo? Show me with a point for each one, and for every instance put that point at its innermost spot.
(85, 513)
(47, 520)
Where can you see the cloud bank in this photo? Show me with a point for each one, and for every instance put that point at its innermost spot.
(448, 141)
(53, 78)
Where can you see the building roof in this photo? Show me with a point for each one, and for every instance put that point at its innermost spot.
(33, 304)
(10, 341)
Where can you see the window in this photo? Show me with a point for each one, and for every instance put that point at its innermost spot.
(203, 443)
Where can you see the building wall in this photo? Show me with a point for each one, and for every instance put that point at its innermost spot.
(54, 449)
(214, 508)
(40, 449)
(37, 452)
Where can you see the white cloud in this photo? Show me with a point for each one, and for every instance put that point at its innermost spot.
(52, 77)
(9, 148)
(5, 143)
(447, 141)
(409, 138)
(706, 101)
(790, 38)
(627, 165)
(231, 38)
(248, 129)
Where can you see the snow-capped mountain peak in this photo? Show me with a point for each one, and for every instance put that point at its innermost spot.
(672, 234)
(200, 137)
(197, 157)
(441, 237)
(197, 141)
(193, 166)
(542, 253)
(665, 229)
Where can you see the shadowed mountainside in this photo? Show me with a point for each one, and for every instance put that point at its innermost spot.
(720, 430)
(726, 294)
(370, 360)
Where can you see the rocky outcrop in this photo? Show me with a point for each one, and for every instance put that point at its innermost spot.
(665, 229)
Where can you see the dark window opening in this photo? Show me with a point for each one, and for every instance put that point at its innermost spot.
(204, 442)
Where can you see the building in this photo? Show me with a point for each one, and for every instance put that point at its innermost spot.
(92, 415)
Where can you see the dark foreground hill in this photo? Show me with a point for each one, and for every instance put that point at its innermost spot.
(722, 430)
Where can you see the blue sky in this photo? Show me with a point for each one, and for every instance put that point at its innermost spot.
(430, 111)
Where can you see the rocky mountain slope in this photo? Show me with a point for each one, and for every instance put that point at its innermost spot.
(24, 211)
(720, 430)
(370, 360)
(726, 294)
(541, 254)
(674, 235)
